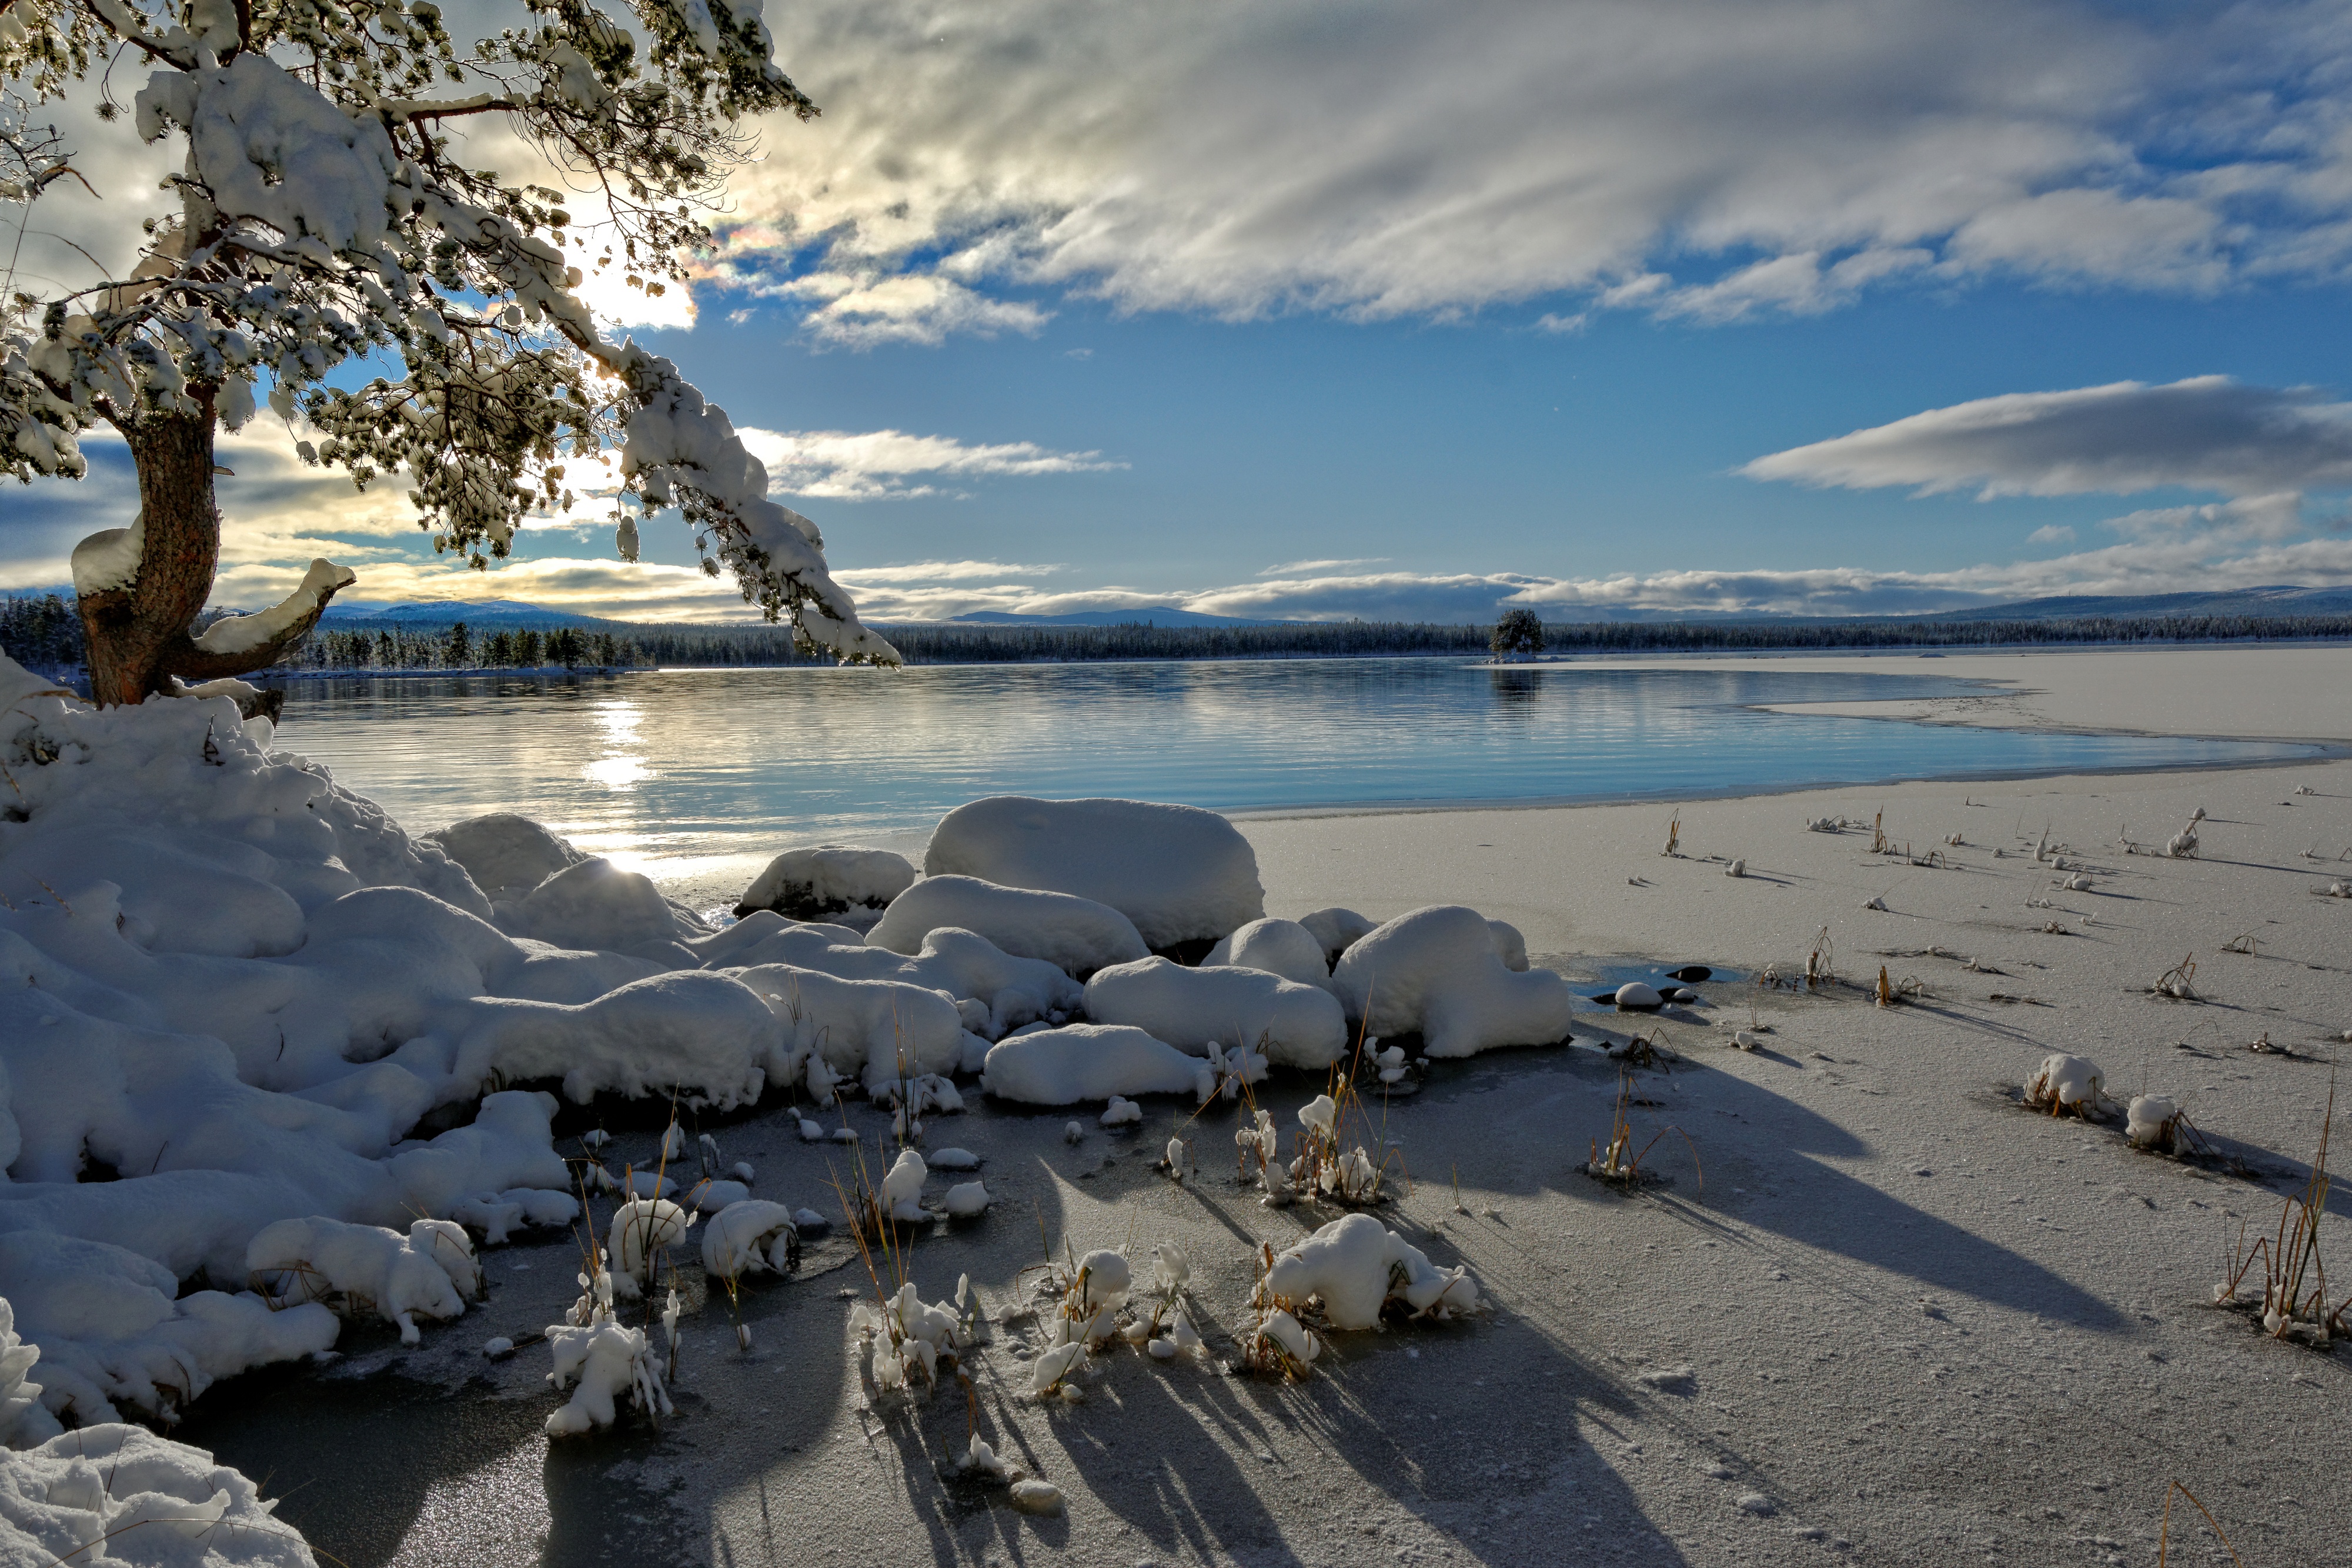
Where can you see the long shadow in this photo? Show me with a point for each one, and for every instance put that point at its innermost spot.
(1838, 1213)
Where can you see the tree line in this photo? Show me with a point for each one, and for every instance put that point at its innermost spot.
(44, 633)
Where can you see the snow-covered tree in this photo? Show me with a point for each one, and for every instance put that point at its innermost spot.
(326, 249)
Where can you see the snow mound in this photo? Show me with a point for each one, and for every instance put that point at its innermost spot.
(1338, 930)
(2066, 1083)
(1006, 991)
(115, 1493)
(609, 1363)
(1355, 1264)
(1084, 1063)
(1283, 947)
(746, 1236)
(708, 1036)
(1440, 973)
(2152, 1122)
(1180, 873)
(507, 855)
(1078, 934)
(597, 905)
(874, 1031)
(828, 880)
(429, 1273)
(1293, 1025)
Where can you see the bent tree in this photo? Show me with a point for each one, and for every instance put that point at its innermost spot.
(324, 219)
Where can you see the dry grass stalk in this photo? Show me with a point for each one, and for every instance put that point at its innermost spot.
(2164, 1536)
(1674, 835)
(2291, 1261)
(2179, 982)
(1617, 1164)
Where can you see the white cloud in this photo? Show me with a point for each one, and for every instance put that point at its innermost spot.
(869, 308)
(1712, 159)
(2053, 534)
(845, 465)
(2205, 433)
(1333, 565)
(935, 571)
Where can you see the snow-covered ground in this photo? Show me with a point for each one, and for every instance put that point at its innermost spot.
(1897, 1317)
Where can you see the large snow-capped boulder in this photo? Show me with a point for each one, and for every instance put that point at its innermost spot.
(507, 855)
(596, 904)
(827, 881)
(1438, 973)
(1076, 934)
(1084, 1063)
(706, 1036)
(874, 1031)
(1290, 1024)
(1180, 873)
(1282, 948)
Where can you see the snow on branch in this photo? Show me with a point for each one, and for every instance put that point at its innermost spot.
(235, 635)
(326, 214)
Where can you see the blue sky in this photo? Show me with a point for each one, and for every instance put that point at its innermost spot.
(1321, 308)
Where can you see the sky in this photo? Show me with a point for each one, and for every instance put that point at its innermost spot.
(1331, 309)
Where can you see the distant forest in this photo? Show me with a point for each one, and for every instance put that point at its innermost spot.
(44, 633)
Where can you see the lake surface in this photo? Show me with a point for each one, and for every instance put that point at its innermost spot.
(697, 777)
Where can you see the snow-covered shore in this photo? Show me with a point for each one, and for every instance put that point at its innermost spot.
(1899, 1311)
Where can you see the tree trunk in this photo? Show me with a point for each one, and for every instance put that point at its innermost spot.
(138, 634)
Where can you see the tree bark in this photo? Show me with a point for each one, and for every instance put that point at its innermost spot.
(137, 635)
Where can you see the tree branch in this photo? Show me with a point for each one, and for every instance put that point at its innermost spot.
(241, 643)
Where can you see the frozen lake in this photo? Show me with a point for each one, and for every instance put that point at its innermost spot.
(697, 777)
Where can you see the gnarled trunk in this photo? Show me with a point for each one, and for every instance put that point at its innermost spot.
(137, 631)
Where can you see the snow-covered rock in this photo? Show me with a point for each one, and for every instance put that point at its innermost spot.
(1437, 972)
(1006, 992)
(1181, 873)
(596, 904)
(1354, 1265)
(507, 855)
(429, 1273)
(826, 881)
(1078, 934)
(1337, 930)
(1085, 1062)
(1292, 1025)
(746, 1236)
(874, 1031)
(1283, 947)
(117, 1493)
